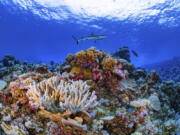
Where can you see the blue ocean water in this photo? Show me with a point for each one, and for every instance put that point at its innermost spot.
(41, 30)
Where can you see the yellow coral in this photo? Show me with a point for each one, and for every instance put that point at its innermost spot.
(18, 95)
(75, 71)
(52, 116)
(80, 55)
(109, 63)
(18, 88)
(87, 74)
(91, 54)
(60, 118)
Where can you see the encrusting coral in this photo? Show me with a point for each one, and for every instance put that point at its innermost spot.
(140, 103)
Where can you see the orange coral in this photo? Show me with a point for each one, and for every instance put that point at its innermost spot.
(89, 54)
(75, 71)
(81, 73)
(18, 95)
(87, 74)
(109, 63)
(52, 116)
(18, 89)
(19, 86)
(89, 58)
(85, 57)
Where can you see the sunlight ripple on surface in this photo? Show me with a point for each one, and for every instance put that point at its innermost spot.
(116, 10)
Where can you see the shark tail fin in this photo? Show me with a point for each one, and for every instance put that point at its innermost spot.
(77, 41)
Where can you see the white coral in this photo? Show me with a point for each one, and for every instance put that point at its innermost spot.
(11, 129)
(140, 103)
(59, 95)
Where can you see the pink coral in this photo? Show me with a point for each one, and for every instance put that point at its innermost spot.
(97, 75)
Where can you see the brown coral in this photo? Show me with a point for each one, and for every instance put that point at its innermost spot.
(88, 58)
(108, 64)
(120, 125)
(139, 115)
(81, 73)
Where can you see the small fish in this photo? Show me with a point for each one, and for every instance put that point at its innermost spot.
(89, 37)
(134, 53)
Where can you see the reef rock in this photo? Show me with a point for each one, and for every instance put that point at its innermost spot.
(9, 61)
(154, 76)
(136, 133)
(123, 53)
(172, 90)
(2, 84)
(167, 70)
(148, 129)
(155, 102)
(140, 73)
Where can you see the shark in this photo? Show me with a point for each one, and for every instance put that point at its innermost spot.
(92, 36)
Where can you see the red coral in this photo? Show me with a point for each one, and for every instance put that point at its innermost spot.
(97, 75)
(7, 98)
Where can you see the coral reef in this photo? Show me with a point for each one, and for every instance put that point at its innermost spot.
(172, 92)
(167, 70)
(102, 70)
(91, 93)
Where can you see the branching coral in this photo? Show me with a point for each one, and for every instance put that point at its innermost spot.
(19, 87)
(58, 95)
